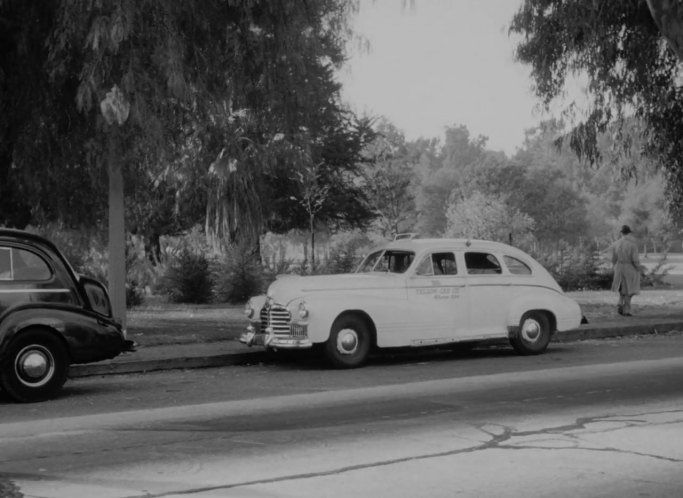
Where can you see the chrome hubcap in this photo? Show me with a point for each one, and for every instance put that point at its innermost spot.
(531, 330)
(34, 365)
(347, 341)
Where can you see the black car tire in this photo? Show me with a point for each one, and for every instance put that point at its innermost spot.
(533, 335)
(349, 343)
(45, 376)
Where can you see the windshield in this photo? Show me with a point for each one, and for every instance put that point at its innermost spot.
(387, 261)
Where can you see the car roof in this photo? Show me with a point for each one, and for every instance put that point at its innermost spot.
(24, 236)
(449, 244)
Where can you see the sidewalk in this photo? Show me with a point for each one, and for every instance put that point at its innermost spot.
(232, 352)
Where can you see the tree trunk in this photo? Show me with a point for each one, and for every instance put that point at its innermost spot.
(117, 233)
(312, 246)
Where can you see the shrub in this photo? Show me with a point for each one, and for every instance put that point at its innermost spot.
(187, 279)
(574, 268)
(237, 276)
(655, 276)
(135, 295)
(8, 489)
(347, 251)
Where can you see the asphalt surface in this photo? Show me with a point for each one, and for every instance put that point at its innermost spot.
(232, 352)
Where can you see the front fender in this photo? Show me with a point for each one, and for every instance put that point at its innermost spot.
(324, 310)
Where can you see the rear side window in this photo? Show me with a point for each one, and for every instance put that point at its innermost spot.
(20, 265)
(440, 263)
(516, 266)
(482, 263)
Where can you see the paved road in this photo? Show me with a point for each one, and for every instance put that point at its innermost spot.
(599, 419)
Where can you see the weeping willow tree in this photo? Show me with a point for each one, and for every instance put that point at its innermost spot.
(631, 74)
(180, 68)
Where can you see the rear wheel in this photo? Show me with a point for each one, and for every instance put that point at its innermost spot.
(349, 343)
(35, 367)
(533, 336)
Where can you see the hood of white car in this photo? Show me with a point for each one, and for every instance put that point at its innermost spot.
(287, 287)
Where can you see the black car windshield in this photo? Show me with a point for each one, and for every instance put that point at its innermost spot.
(391, 261)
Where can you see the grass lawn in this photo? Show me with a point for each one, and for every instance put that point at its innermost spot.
(160, 323)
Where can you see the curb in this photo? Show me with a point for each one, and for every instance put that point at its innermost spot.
(585, 332)
(142, 366)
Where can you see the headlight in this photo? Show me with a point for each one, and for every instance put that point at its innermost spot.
(248, 310)
(303, 312)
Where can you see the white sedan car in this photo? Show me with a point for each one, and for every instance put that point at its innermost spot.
(414, 293)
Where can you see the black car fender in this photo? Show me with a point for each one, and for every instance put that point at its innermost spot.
(73, 325)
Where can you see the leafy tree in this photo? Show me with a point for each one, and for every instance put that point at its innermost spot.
(216, 78)
(389, 180)
(331, 162)
(490, 217)
(644, 209)
(617, 46)
(440, 176)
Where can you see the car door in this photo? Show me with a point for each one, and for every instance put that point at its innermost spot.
(437, 291)
(489, 293)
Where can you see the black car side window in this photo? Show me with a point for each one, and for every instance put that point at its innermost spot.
(5, 263)
(18, 264)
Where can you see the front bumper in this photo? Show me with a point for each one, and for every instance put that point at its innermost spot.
(269, 339)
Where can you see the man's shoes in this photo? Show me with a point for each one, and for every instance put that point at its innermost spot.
(628, 314)
(620, 309)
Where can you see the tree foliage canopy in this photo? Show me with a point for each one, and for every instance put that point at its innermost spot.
(630, 72)
(223, 95)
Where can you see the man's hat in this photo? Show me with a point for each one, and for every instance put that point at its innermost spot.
(625, 229)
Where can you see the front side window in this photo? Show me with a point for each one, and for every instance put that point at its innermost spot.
(482, 263)
(369, 262)
(19, 264)
(389, 261)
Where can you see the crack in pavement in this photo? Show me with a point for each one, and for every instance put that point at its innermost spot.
(496, 441)
(500, 437)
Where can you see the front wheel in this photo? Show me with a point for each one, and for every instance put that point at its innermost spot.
(349, 343)
(35, 367)
(533, 336)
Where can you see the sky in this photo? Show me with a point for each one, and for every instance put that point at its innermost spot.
(442, 63)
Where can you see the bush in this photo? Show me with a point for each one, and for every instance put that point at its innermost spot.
(347, 252)
(655, 276)
(135, 295)
(9, 490)
(187, 279)
(574, 268)
(237, 276)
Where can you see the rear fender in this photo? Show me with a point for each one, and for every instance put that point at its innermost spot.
(69, 323)
(522, 305)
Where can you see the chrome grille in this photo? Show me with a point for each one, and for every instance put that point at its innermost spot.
(277, 317)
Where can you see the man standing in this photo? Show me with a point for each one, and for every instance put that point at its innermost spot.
(626, 270)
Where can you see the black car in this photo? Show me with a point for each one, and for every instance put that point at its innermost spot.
(50, 318)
